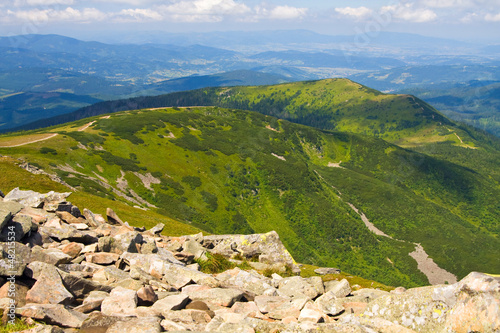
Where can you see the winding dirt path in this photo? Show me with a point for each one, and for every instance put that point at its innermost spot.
(86, 126)
(29, 142)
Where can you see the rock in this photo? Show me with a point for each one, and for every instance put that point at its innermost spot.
(339, 288)
(157, 229)
(119, 244)
(108, 275)
(329, 303)
(185, 257)
(143, 325)
(311, 313)
(247, 309)
(121, 302)
(88, 307)
(102, 258)
(326, 270)
(269, 303)
(69, 218)
(18, 288)
(128, 283)
(68, 232)
(14, 258)
(252, 283)
(7, 211)
(217, 296)
(91, 218)
(169, 325)
(174, 302)
(179, 276)
(149, 248)
(97, 322)
(38, 216)
(113, 217)
(267, 247)
(317, 283)
(195, 248)
(194, 320)
(147, 295)
(72, 249)
(51, 256)
(49, 287)
(34, 199)
(95, 296)
(81, 287)
(56, 314)
(297, 286)
(290, 309)
(21, 226)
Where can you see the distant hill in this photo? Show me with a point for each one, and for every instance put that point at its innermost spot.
(233, 78)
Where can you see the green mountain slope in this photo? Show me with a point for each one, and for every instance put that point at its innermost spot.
(228, 171)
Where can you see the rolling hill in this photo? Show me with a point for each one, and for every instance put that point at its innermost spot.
(230, 171)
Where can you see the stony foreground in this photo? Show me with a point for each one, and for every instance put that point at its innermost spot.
(77, 272)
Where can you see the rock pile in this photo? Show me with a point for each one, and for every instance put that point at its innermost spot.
(77, 272)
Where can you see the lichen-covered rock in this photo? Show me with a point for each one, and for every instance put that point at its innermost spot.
(218, 296)
(297, 286)
(267, 247)
(34, 199)
(249, 282)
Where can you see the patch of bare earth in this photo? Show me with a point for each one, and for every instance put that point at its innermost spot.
(148, 179)
(426, 265)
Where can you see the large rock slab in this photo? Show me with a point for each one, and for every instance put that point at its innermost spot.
(267, 247)
(121, 302)
(249, 282)
(297, 286)
(56, 314)
(217, 296)
(19, 227)
(49, 287)
(338, 288)
(34, 199)
(174, 302)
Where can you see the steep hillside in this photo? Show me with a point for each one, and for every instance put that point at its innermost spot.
(228, 171)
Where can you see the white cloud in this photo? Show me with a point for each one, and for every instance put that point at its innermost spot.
(407, 12)
(138, 15)
(50, 15)
(204, 10)
(492, 17)
(287, 13)
(359, 12)
(446, 3)
(42, 2)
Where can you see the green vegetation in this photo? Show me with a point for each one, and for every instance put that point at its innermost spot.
(215, 263)
(231, 171)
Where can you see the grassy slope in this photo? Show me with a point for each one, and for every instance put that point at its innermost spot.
(217, 171)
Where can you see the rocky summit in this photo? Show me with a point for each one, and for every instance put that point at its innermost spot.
(70, 270)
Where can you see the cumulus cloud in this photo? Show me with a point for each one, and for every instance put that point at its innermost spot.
(204, 10)
(49, 15)
(492, 17)
(138, 15)
(287, 13)
(359, 12)
(408, 12)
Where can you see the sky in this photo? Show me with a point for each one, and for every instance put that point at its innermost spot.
(457, 19)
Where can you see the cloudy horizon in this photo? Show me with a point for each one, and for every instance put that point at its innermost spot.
(458, 19)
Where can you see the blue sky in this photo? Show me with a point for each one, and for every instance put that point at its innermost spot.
(459, 19)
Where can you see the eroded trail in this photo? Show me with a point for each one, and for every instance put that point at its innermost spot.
(50, 136)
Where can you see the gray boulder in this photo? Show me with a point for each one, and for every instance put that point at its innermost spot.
(34, 199)
(7, 211)
(14, 259)
(297, 286)
(56, 314)
(218, 296)
(157, 229)
(49, 287)
(174, 302)
(339, 288)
